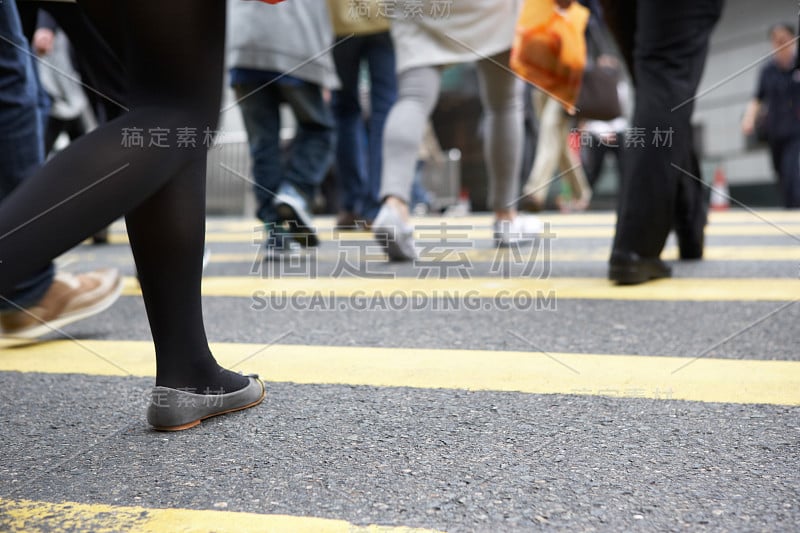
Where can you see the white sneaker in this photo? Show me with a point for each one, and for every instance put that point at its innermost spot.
(394, 234)
(521, 230)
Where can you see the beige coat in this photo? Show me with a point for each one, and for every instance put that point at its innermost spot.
(443, 32)
(357, 17)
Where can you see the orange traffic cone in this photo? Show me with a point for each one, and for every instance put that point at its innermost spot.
(720, 200)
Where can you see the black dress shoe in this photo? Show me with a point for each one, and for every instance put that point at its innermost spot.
(629, 268)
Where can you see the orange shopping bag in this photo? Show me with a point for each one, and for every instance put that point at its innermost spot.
(550, 48)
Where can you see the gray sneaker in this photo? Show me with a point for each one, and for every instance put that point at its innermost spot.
(174, 409)
(292, 208)
(395, 235)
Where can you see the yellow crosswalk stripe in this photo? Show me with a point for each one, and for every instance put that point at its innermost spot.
(490, 255)
(532, 292)
(28, 516)
(455, 231)
(622, 376)
(556, 219)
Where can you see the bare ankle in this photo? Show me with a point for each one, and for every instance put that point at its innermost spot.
(399, 205)
(505, 214)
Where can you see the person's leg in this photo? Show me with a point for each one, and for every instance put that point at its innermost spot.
(312, 149)
(592, 157)
(175, 86)
(671, 46)
(571, 169)
(548, 147)
(405, 128)
(175, 72)
(98, 58)
(261, 116)
(620, 17)
(55, 127)
(20, 143)
(619, 154)
(309, 158)
(418, 91)
(501, 96)
(350, 155)
(383, 94)
(790, 173)
(691, 209)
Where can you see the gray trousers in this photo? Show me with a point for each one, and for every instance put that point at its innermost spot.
(501, 96)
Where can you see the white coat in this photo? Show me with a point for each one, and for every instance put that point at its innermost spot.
(443, 32)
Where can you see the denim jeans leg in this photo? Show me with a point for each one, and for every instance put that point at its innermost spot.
(261, 114)
(379, 51)
(20, 136)
(312, 149)
(351, 164)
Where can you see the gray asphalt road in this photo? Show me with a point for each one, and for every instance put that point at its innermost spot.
(446, 459)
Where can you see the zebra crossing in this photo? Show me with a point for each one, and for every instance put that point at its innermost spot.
(475, 390)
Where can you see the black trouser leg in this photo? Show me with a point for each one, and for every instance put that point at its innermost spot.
(671, 43)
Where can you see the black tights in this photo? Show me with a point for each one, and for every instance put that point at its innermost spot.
(173, 52)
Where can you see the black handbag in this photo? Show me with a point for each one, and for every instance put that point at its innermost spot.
(599, 98)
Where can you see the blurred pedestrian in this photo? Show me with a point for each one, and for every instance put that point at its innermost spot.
(99, 67)
(280, 56)
(777, 105)
(363, 45)
(69, 109)
(42, 300)
(553, 151)
(667, 44)
(429, 35)
(605, 136)
(174, 55)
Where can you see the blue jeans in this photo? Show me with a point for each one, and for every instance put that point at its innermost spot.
(311, 152)
(21, 142)
(359, 150)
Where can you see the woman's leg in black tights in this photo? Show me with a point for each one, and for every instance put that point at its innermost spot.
(174, 55)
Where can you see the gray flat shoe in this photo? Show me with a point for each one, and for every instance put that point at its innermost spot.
(174, 410)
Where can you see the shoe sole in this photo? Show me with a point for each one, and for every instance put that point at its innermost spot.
(197, 422)
(626, 276)
(55, 325)
(298, 224)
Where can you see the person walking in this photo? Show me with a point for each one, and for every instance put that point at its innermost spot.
(281, 56)
(778, 98)
(429, 35)
(363, 44)
(40, 300)
(174, 54)
(666, 44)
